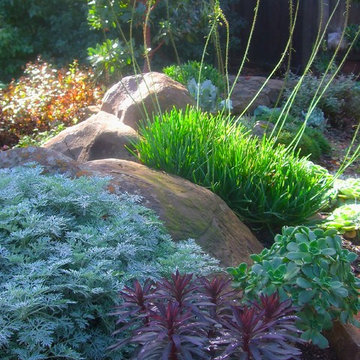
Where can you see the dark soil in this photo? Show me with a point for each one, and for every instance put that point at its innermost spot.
(312, 352)
(340, 141)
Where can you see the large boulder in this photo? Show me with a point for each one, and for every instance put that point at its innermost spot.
(99, 137)
(129, 98)
(246, 88)
(51, 161)
(187, 210)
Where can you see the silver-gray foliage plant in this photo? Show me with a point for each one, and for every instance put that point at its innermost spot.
(67, 246)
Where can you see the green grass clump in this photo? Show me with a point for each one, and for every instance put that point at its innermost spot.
(261, 182)
(190, 70)
(66, 248)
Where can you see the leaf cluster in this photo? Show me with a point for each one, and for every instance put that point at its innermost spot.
(43, 99)
(191, 70)
(187, 318)
(262, 183)
(344, 209)
(346, 219)
(66, 248)
(310, 268)
(348, 190)
(110, 60)
(205, 89)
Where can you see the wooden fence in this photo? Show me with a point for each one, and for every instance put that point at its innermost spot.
(272, 27)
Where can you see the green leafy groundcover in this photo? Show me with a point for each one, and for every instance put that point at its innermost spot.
(66, 248)
(312, 269)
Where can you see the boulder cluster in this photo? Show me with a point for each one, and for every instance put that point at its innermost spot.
(99, 146)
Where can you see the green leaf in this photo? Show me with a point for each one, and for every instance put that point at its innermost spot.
(351, 257)
(320, 340)
(304, 247)
(255, 257)
(291, 271)
(335, 284)
(299, 256)
(344, 316)
(257, 269)
(319, 233)
(342, 292)
(303, 283)
(308, 270)
(305, 296)
(307, 335)
(293, 247)
(330, 232)
(301, 238)
(328, 251)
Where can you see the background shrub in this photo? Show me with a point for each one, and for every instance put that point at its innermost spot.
(312, 141)
(340, 102)
(178, 23)
(56, 30)
(190, 70)
(311, 269)
(208, 90)
(306, 146)
(39, 138)
(44, 98)
(262, 183)
(110, 60)
(67, 248)
(350, 33)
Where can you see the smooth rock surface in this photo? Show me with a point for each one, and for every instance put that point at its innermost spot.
(50, 160)
(129, 98)
(246, 88)
(345, 340)
(187, 210)
(99, 137)
(261, 128)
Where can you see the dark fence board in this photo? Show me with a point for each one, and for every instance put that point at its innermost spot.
(272, 28)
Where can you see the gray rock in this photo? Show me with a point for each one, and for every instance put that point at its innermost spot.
(135, 97)
(246, 88)
(261, 128)
(99, 137)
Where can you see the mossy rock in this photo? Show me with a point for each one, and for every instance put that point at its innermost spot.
(187, 210)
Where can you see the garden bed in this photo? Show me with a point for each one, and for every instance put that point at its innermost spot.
(340, 140)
